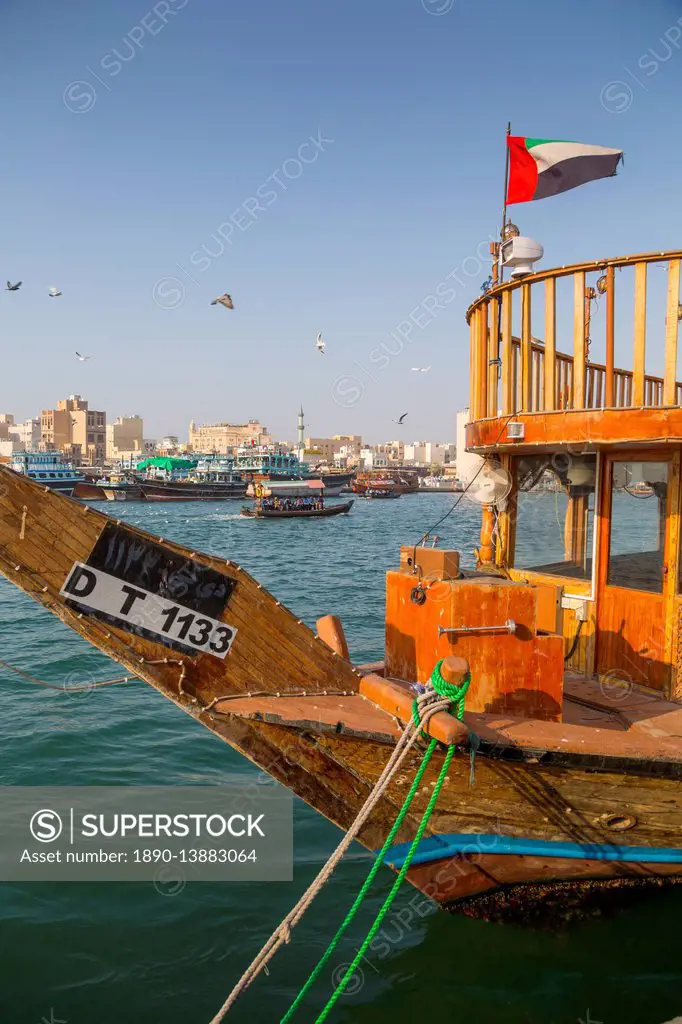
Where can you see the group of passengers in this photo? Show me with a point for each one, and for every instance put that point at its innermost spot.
(293, 504)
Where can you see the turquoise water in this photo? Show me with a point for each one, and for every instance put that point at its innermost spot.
(114, 953)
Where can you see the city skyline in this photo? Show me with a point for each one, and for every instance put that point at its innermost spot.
(346, 209)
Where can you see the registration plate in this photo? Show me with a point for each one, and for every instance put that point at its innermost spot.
(142, 611)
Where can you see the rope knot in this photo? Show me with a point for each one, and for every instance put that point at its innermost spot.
(285, 932)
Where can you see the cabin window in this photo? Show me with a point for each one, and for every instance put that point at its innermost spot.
(639, 499)
(555, 514)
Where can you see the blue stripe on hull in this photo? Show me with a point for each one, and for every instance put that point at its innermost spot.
(449, 845)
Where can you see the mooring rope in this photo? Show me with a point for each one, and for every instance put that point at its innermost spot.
(426, 705)
(67, 689)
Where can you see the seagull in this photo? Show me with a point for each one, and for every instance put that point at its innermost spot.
(420, 369)
(82, 358)
(54, 292)
(224, 300)
(399, 421)
(13, 287)
(320, 344)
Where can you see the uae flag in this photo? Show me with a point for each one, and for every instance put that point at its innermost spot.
(539, 168)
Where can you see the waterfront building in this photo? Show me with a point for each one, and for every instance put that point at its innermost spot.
(223, 437)
(74, 426)
(125, 437)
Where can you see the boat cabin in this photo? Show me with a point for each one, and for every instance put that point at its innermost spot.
(575, 398)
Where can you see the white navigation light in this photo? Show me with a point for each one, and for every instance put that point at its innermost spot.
(520, 254)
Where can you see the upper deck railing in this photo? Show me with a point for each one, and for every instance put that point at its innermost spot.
(517, 373)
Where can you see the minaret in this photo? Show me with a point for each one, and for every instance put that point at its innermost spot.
(301, 431)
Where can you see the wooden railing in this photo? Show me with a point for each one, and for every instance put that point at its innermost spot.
(519, 373)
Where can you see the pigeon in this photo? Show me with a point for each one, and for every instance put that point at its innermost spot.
(320, 344)
(54, 292)
(399, 421)
(420, 369)
(224, 300)
(82, 358)
(13, 287)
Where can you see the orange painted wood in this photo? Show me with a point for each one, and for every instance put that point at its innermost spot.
(526, 350)
(330, 630)
(482, 372)
(630, 623)
(429, 563)
(599, 427)
(671, 334)
(493, 353)
(473, 365)
(550, 344)
(507, 355)
(519, 674)
(579, 340)
(639, 357)
(398, 700)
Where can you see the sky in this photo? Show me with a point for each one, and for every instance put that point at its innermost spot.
(326, 162)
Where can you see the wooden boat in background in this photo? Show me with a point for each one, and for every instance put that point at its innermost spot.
(298, 513)
(180, 490)
(573, 716)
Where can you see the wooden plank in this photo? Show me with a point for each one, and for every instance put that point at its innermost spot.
(639, 357)
(526, 353)
(594, 265)
(482, 373)
(507, 353)
(473, 364)
(493, 353)
(671, 583)
(671, 334)
(609, 396)
(351, 716)
(579, 340)
(550, 344)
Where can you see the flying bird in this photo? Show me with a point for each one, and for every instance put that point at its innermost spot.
(54, 292)
(13, 287)
(320, 344)
(420, 369)
(82, 358)
(399, 421)
(224, 300)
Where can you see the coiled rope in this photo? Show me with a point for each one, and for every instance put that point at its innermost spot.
(426, 704)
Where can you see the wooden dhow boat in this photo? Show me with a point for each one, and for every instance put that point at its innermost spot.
(259, 512)
(570, 749)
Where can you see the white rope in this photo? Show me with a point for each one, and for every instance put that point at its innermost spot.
(428, 704)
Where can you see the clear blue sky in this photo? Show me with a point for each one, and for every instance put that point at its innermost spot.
(104, 199)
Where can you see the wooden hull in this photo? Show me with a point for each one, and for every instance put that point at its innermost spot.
(316, 513)
(537, 782)
(191, 492)
(106, 492)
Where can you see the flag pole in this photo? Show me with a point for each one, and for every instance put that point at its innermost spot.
(504, 201)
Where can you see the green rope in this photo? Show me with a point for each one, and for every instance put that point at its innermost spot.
(392, 894)
(363, 891)
(457, 695)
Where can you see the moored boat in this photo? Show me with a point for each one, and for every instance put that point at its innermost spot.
(188, 490)
(562, 645)
(47, 468)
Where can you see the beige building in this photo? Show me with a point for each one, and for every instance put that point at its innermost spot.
(332, 446)
(223, 437)
(75, 429)
(125, 437)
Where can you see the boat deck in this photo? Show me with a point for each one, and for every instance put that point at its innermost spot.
(628, 724)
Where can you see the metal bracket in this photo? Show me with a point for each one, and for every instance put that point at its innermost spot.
(509, 627)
